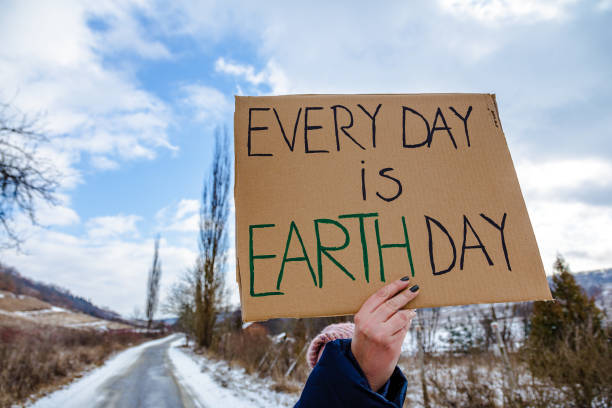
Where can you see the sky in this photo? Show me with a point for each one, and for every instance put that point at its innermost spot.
(131, 94)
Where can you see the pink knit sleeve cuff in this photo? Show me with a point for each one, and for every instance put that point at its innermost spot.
(330, 333)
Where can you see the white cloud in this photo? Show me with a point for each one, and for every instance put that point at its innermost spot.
(113, 226)
(245, 71)
(503, 11)
(52, 63)
(604, 5)
(187, 207)
(578, 231)
(112, 272)
(562, 221)
(208, 103)
(271, 75)
(181, 217)
(109, 262)
(556, 177)
(57, 215)
(122, 32)
(104, 163)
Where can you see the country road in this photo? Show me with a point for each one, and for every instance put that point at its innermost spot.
(143, 376)
(162, 374)
(148, 382)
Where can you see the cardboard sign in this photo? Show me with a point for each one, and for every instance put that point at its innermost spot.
(337, 195)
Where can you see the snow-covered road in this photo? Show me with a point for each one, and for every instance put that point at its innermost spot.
(161, 374)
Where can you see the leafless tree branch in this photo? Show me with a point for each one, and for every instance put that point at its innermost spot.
(25, 179)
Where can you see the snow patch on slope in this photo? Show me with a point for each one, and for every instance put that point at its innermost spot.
(216, 384)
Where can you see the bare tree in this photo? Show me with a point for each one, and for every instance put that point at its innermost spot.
(153, 285)
(25, 179)
(429, 321)
(210, 266)
(180, 303)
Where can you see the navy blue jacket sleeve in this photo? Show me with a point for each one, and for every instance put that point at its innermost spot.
(337, 381)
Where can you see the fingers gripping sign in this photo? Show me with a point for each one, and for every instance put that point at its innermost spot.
(380, 328)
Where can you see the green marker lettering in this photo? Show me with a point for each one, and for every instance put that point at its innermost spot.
(324, 250)
(252, 258)
(292, 228)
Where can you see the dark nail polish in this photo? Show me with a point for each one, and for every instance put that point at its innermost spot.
(414, 288)
(405, 278)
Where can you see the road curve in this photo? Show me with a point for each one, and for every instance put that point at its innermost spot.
(148, 383)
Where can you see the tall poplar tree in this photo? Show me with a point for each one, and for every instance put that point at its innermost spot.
(210, 267)
(153, 285)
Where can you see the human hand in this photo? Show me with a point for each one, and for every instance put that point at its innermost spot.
(380, 329)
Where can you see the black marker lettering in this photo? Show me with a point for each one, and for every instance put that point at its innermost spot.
(253, 129)
(466, 223)
(363, 185)
(464, 119)
(307, 127)
(343, 128)
(399, 184)
(428, 221)
(406, 109)
(297, 119)
(503, 238)
(373, 117)
(436, 128)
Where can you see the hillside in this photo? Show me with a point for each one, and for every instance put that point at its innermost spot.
(13, 282)
(598, 283)
(23, 309)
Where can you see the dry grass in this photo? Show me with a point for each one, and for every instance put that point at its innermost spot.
(258, 353)
(39, 358)
(478, 380)
(13, 303)
(11, 319)
(37, 311)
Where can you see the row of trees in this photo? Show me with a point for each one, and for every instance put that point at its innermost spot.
(547, 353)
(198, 298)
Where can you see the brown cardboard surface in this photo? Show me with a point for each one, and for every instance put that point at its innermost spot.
(336, 171)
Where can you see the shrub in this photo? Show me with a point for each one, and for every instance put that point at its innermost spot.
(35, 358)
(568, 344)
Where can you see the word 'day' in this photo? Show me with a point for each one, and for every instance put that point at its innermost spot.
(338, 194)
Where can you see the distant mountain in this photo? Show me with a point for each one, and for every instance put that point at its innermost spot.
(598, 284)
(12, 281)
(596, 278)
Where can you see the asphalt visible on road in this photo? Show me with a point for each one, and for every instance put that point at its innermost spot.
(148, 383)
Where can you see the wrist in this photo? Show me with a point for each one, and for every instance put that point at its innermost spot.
(375, 378)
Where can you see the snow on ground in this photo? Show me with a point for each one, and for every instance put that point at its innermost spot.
(216, 384)
(98, 324)
(82, 392)
(52, 309)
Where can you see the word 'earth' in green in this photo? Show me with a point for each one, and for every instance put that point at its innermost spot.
(326, 249)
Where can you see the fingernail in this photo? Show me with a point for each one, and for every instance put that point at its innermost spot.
(414, 288)
(405, 278)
